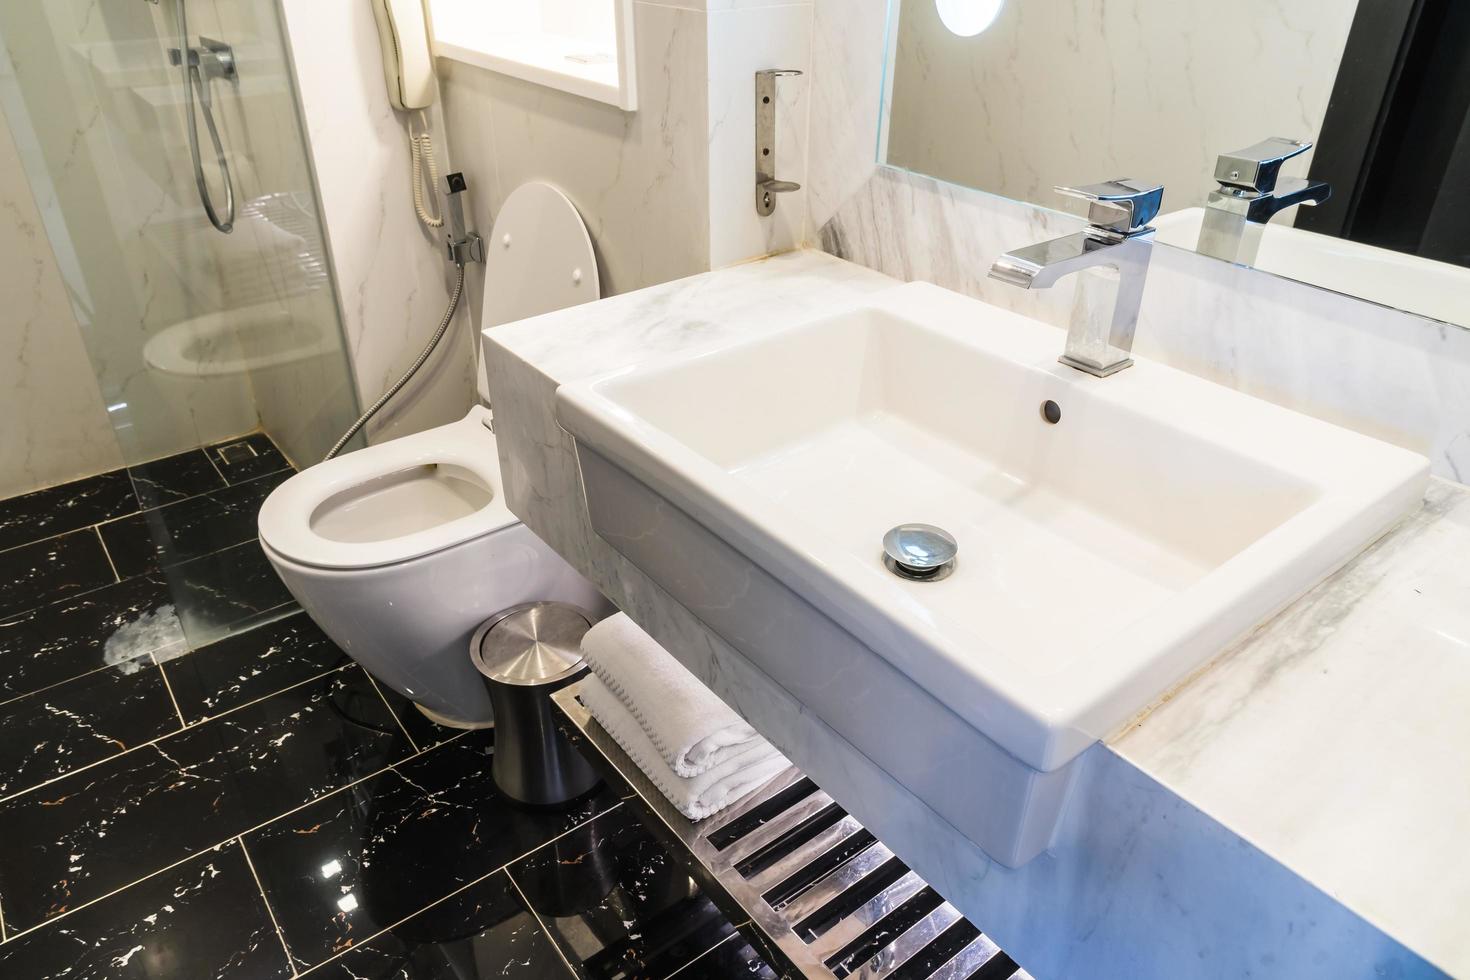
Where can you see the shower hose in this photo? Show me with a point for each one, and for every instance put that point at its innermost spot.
(413, 369)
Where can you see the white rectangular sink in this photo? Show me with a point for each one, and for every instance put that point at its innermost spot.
(1101, 558)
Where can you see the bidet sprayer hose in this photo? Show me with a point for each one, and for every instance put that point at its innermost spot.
(413, 369)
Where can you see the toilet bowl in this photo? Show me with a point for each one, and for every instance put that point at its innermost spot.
(400, 550)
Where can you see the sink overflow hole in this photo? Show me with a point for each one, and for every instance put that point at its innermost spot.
(1051, 411)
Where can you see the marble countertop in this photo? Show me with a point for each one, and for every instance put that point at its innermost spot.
(1336, 738)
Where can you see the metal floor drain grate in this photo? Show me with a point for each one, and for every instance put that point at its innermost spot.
(234, 453)
(830, 897)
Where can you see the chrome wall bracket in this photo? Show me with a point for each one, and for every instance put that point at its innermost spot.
(766, 184)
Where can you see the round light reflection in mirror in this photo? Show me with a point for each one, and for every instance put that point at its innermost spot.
(968, 17)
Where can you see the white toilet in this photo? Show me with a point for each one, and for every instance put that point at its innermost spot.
(400, 550)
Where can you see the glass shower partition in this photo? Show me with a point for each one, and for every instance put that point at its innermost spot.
(169, 165)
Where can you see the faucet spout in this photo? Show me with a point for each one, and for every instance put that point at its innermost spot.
(1099, 340)
(1042, 265)
(1290, 193)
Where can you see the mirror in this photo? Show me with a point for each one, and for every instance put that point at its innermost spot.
(1365, 190)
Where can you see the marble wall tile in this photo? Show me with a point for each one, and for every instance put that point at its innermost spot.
(249, 318)
(639, 179)
(55, 425)
(745, 39)
(95, 111)
(1074, 91)
(392, 277)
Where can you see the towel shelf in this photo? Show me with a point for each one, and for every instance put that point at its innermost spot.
(816, 893)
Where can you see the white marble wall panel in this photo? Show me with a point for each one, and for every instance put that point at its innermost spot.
(742, 41)
(392, 276)
(638, 179)
(53, 425)
(1076, 91)
(91, 90)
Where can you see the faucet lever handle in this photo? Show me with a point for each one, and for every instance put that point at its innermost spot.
(1122, 207)
(1257, 168)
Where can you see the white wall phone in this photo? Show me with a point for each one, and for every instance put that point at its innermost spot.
(408, 70)
(408, 64)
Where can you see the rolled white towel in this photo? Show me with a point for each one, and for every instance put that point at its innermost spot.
(703, 795)
(696, 732)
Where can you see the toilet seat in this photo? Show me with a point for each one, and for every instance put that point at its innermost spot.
(293, 519)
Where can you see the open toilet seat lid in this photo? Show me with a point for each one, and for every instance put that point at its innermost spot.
(286, 517)
(538, 259)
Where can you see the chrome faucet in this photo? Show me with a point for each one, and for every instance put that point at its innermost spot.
(1251, 193)
(1119, 237)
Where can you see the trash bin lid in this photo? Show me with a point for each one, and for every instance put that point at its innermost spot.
(530, 645)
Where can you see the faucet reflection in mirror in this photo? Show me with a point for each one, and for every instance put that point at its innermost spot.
(1251, 193)
(1119, 237)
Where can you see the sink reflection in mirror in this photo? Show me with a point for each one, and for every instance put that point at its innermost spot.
(1348, 113)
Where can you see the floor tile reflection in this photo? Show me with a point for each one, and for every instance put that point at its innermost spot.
(68, 564)
(115, 624)
(85, 720)
(356, 862)
(188, 529)
(617, 903)
(481, 933)
(202, 919)
(251, 665)
(84, 835)
(68, 507)
(174, 478)
(733, 959)
(225, 592)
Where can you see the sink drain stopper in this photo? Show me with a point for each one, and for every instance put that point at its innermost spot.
(921, 552)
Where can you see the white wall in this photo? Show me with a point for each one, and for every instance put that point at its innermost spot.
(1077, 91)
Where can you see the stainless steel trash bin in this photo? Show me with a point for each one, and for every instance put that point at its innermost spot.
(525, 654)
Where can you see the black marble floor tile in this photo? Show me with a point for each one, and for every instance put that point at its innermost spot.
(360, 860)
(93, 831)
(225, 593)
(733, 959)
(35, 574)
(202, 919)
(188, 529)
(483, 932)
(111, 625)
(617, 903)
(248, 457)
(56, 510)
(83, 721)
(251, 665)
(425, 733)
(174, 478)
